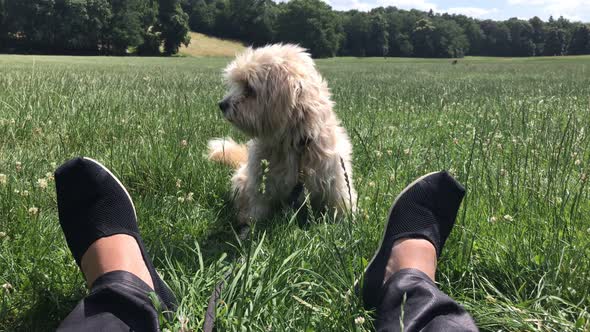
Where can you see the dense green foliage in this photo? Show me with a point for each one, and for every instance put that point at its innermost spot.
(118, 26)
(515, 132)
(383, 31)
(92, 26)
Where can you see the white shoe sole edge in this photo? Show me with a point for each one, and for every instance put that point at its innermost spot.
(116, 179)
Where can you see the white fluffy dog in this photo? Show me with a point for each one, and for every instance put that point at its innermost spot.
(277, 97)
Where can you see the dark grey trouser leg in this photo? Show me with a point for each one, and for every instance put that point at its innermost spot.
(424, 307)
(118, 301)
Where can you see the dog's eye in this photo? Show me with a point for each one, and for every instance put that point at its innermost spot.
(248, 91)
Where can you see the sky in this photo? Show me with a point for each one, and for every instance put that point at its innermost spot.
(576, 10)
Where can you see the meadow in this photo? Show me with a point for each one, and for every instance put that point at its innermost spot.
(514, 131)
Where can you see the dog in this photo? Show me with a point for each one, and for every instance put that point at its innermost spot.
(298, 150)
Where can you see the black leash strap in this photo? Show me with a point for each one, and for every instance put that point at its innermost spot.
(209, 323)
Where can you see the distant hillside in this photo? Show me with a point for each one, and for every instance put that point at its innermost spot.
(202, 45)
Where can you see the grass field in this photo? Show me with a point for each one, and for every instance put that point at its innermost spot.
(515, 132)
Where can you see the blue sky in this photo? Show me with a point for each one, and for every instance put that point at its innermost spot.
(578, 10)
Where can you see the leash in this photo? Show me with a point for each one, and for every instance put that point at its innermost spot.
(209, 323)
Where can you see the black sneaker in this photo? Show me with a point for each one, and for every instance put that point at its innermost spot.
(425, 209)
(93, 204)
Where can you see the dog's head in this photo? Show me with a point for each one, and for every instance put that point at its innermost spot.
(271, 89)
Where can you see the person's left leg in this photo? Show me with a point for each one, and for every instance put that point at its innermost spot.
(100, 226)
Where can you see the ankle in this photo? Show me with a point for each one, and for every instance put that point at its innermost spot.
(118, 252)
(417, 254)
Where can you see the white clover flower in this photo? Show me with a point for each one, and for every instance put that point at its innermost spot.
(389, 152)
(508, 217)
(33, 211)
(2, 234)
(577, 162)
(359, 320)
(24, 193)
(184, 143)
(189, 197)
(371, 184)
(42, 183)
(455, 140)
(178, 183)
(492, 219)
(180, 199)
(49, 176)
(379, 154)
(18, 165)
(407, 151)
(3, 179)
(7, 287)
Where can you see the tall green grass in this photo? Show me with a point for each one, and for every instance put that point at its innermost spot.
(515, 132)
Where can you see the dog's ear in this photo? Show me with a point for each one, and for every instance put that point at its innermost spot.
(282, 88)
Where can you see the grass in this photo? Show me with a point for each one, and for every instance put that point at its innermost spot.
(205, 46)
(515, 132)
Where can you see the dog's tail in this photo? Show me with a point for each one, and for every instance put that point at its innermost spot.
(226, 151)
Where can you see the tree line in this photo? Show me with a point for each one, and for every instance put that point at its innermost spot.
(145, 27)
(384, 31)
(152, 27)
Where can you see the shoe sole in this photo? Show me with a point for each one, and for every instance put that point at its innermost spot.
(387, 221)
(116, 179)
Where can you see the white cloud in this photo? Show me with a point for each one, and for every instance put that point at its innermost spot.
(473, 11)
(572, 9)
(367, 5)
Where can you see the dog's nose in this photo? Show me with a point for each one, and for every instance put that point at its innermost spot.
(223, 105)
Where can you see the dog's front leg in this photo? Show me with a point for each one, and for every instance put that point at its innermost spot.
(250, 202)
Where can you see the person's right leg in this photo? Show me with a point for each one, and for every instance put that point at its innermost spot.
(100, 226)
(399, 281)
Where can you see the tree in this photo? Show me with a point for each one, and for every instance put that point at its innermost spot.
(173, 25)
(521, 33)
(378, 36)
(125, 28)
(580, 42)
(152, 38)
(312, 24)
(70, 26)
(400, 25)
(202, 17)
(497, 38)
(554, 42)
(253, 20)
(538, 34)
(355, 26)
(423, 39)
(99, 20)
(3, 27)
